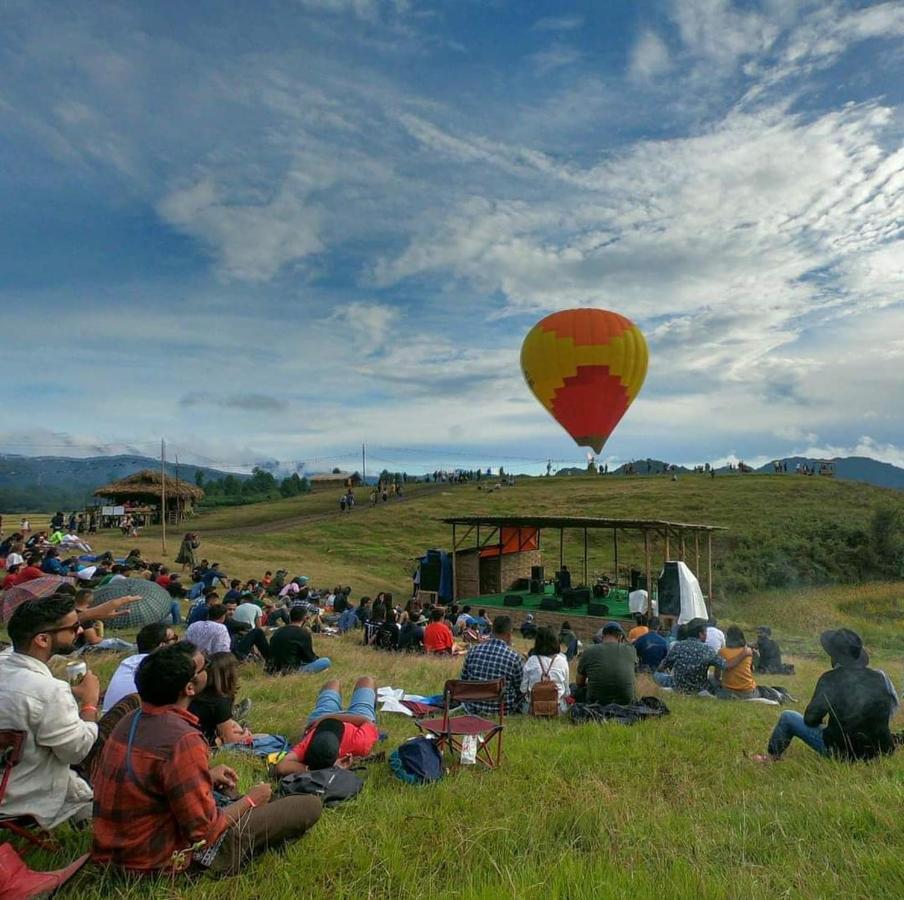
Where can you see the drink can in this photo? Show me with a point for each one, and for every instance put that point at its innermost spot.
(76, 671)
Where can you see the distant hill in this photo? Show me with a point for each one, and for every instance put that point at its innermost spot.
(853, 468)
(48, 483)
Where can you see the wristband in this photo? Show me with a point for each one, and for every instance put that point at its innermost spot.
(89, 707)
(251, 803)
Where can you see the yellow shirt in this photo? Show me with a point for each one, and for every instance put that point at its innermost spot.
(740, 678)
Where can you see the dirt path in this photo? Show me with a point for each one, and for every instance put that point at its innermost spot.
(287, 524)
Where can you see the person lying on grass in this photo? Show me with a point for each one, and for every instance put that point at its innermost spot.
(333, 736)
(689, 660)
(858, 701)
(154, 808)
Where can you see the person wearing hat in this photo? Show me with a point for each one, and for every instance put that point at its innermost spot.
(606, 669)
(333, 736)
(857, 701)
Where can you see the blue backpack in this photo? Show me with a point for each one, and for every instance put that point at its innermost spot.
(417, 761)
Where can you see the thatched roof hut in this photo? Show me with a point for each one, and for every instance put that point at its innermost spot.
(146, 488)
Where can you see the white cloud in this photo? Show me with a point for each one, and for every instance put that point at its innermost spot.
(556, 56)
(649, 57)
(558, 23)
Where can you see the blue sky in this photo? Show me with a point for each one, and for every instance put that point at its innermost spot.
(303, 225)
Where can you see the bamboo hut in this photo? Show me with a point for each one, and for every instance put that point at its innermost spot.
(140, 495)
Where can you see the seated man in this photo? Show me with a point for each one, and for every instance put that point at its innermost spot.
(606, 670)
(529, 628)
(59, 721)
(244, 638)
(651, 648)
(858, 701)
(334, 736)
(690, 658)
(92, 636)
(154, 775)
(149, 639)
(495, 659)
(210, 636)
(438, 634)
(292, 647)
(769, 653)
(348, 620)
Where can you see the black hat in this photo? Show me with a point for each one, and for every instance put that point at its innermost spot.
(843, 646)
(323, 750)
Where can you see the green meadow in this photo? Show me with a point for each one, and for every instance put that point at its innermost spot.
(670, 808)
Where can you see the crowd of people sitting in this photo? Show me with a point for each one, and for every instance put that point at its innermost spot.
(134, 761)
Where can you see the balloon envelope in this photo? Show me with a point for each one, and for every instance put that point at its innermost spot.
(585, 366)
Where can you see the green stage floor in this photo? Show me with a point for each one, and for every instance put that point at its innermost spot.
(617, 601)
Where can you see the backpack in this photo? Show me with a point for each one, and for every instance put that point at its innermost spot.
(417, 761)
(331, 785)
(544, 695)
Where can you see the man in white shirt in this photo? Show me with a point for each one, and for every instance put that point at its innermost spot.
(123, 681)
(715, 637)
(59, 721)
(211, 636)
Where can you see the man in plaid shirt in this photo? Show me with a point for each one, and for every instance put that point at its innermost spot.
(154, 808)
(495, 659)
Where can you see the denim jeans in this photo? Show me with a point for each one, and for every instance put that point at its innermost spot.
(663, 679)
(176, 612)
(791, 725)
(319, 665)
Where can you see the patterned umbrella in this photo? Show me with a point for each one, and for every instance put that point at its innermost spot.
(37, 587)
(154, 605)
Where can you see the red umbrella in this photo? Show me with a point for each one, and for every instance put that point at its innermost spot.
(37, 587)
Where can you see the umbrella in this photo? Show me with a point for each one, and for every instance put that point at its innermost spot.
(29, 590)
(154, 605)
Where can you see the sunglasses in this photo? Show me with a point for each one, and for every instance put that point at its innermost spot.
(73, 628)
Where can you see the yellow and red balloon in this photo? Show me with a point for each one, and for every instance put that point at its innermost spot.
(585, 366)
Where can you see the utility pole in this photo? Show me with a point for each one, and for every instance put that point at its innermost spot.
(163, 495)
(363, 464)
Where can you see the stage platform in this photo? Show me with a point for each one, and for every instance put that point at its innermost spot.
(616, 601)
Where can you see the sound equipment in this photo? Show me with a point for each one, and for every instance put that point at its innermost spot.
(536, 572)
(601, 590)
(597, 609)
(513, 600)
(551, 603)
(638, 580)
(575, 597)
(431, 571)
(537, 586)
(669, 590)
(521, 584)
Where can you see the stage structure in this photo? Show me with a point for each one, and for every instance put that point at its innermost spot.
(492, 554)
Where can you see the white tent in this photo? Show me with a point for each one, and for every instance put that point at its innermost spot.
(693, 606)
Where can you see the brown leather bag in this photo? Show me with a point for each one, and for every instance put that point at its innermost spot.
(544, 695)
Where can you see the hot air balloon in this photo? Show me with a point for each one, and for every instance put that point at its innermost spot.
(585, 366)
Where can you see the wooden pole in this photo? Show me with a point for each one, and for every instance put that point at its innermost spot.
(163, 495)
(454, 577)
(646, 550)
(697, 553)
(709, 567)
(681, 534)
(667, 551)
(585, 557)
(561, 548)
(615, 542)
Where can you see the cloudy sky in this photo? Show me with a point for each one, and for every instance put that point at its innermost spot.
(311, 223)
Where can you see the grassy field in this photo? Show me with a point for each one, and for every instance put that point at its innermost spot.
(672, 808)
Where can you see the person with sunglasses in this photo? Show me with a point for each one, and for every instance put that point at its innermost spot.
(58, 719)
(152, 637)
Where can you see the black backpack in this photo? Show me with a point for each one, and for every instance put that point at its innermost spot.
(331, 785)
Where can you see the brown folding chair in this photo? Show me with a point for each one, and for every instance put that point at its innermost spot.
(24, 826)
(450, 730)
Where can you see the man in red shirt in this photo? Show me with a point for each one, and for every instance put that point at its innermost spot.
(154, 808)
(333, 736)
(438, 635)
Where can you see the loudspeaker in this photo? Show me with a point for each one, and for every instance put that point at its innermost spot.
(551, 603)
(513, 600)
(638, 580)
(537, 586)
(597, 609)
(576, 597)
(536, 572)
(521, 584)
(669, 590)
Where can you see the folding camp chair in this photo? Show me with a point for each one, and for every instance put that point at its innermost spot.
(22, 826)
(18, 882)
(450, 730)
